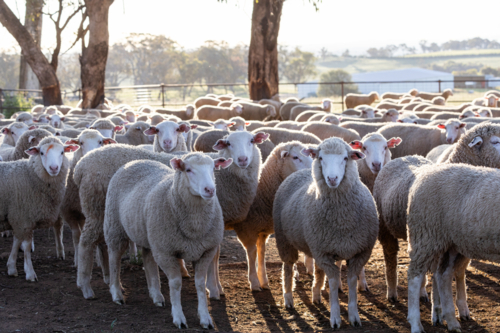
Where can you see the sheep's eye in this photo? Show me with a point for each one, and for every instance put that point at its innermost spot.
(188, 170)
(41, 154)
(252, 141)
(345, 158)
(295, 158)
(228, 144)
(385, 148)
(321, 158)
(100, 142)
(178, 129)
(62, 152)
(364, 148)
(456, 127)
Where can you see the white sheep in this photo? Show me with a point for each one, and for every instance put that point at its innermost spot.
(177, 203)
(135, 135)
(353, 100)
(329, 229)
(253, 111)
(39, 181)
(239, 124)
(13, 132)
(217, 112)
(223, 124)
(28, 139)
(168, 136)
(325, 130)
(184, 114)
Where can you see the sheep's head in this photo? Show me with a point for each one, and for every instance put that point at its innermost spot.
(238, 123)
(374, 96)
(391, 115)
(413, 92)
(291, 158)
(327, 104)
(240, 146)
(453, 130)
(468, 114)
(55, 120)
(376, 149)
(447, 93)
(368, 113)
(89, 140)
(333, 158)
(167, 133)
(197, 169)
(51, 152)
(16, 130)
(237, 108)
(271, 110)
(189, 110)
(51, 110)
(332, 119)
(484, 112)
(156, 119)
(222, 124)
(491, 100)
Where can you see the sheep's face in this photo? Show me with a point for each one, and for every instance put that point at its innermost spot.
(16, 130)
(222, 125)
(190, 111)
(130, 116)
(407, 120)
(51, 110)
(326, 104)
(468, 114)
(391, 115)
(491, 101)
(294, 160)
(199, 171)
(376, 150)
(454, 130)
(483, 113)
(237, 108)
(55, 121)
(52, 155)
(240, 147)
(331, 119)
(90, 141)
(43, 119)
(368, 113)
(167, 133)
(271, 111)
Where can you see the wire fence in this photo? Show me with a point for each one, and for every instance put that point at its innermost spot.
(177, 95)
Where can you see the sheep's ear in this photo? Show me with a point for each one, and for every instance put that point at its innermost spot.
(399, 121)
(62, 118)
(32, 127)
(222, 163)
(230, 124)
(247, 124)
(71, 148)
(284, 154)
(310, 152)
(48, 117)
(118, 128)
(363, 111)
(220, 144)
(211, 123)
(462, 125)
(177, 164)
(193, 126)
(441, 126)
(5, 131)
(151, 131)
(375, 111)
(415, 122)
(33, 151)
(393, 142)
(477, 141)
(72, 142)
(108, 141)
(260, 137)
(125, 122)
(183, 127)
(357, 155)
(400, 112)
(356, 144)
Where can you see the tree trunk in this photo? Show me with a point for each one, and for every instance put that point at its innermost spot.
(95, 55)
(32, 23)
(33, 56)
(263, 76)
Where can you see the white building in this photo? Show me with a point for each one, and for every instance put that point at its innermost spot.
(385, 81)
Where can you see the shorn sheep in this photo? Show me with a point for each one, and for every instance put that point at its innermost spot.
(217, 112)
(353, 100)
(312, 213)
(430, 96)
(172, 215)
(254, 231)
(41, 182)
(183, 114)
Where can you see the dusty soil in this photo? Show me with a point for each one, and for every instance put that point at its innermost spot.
(55, 304)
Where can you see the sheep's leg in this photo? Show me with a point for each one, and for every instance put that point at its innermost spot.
(362, 284)
(318, 284)
(132, 249)
(200, 273)
(414, 284)
(460, 267)
(152, 277)
(105, 262)
(339, 265)
(288, 284)
(328, 264)
(309, 263)
(116, 250)
(444, 277)
(390, 246)
(58, 235)
(171, 268)
(249, 240)
(184, 271)
(28, 265)
(11, 263)
(354, 267)
(261, 248)
(212, 278)
(424, 297)
(88, 241)
(75, 233)
(437, 313)
(98, 256)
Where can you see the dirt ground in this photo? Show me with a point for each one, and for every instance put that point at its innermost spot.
(55, 304)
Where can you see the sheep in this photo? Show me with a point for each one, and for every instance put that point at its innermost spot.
(25, 117)
(467, 113)
(459, 108)
(277, 104)
(298, 109)
(390, 115)
(329, 118)
(184, 114)
(446, 115)
(488, 101)
(328, 230)
(56, 121)
(13, 132)
(39, 181)
(202, 101)
(362, 128)
(393, 95)
(353, 100)
(106, 127)
(435, 154)
(253, 125)
(222, 124)
(307, 115)
(439, 100)
(168, 136)
(420, 140)
(325, 130)
(145, 109)
(135, 135)
(215, 112)
(177, 202)
(239, 124)
(387, 106)
(71, 211)
(226, 97)
(28, 139)
(49, 128)
(37, 109)
(286, 109)
(237, 186)
(254, 231)
(253, 111)
(430, 96)
(292, 125)
(365, 113)
(484, 112)
(225, 103)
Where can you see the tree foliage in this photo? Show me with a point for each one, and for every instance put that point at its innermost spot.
(297, 65)
(335, 75)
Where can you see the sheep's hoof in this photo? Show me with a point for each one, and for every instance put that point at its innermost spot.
(256, 289)
(208, 327)
(160, 304)
(465, 318)
(120, 302)
(424, 299)
(393, 299)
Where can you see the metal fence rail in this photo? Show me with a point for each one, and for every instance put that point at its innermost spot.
(175, 95)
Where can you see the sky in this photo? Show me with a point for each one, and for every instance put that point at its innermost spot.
(338, 25)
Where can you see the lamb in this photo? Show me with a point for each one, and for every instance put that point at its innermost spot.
(27, 140)
(202, 101)
(325, 130)
(237, 186)
(222, 124)
(184, 114)
(353, 100)
(321, 230)
(106, 127)
(71, 211)
(412, 92)
(168, 136)
(297, 110)
(13, 132)
(362, 128)
(135, 135)
(44, 173)
(253, 111)
(239, 124)
(216, 112)
(177, 203)
(56, 121)
(435, 154)
(420, 140)
(254, 231)
(430, 96)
